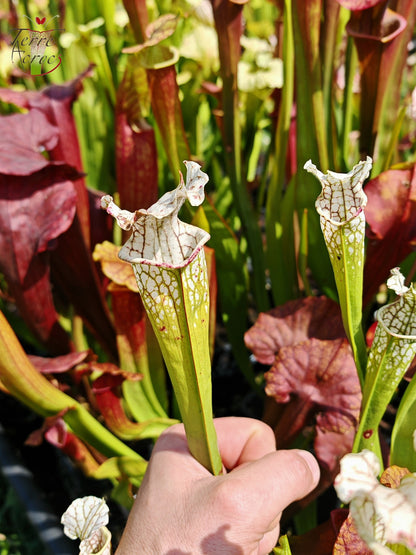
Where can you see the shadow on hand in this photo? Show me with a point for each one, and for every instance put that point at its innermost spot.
(214, 543)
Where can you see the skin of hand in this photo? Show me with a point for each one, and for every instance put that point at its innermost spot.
(182, 509)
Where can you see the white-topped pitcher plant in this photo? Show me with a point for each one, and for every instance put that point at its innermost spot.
(168, 260)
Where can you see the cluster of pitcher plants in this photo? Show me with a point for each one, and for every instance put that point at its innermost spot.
(285, 133)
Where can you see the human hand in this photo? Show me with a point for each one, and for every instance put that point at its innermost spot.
(182, 509)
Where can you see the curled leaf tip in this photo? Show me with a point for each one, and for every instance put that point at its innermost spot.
(125, 219)
(396, 282)
(342, 197)
(159, 237)
(398, 318)
(196, 180)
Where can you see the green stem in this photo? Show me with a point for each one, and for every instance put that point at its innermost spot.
(282, 279)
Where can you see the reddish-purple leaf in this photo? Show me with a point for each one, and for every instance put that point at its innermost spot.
(60, 364)
(73, 271)
(317, 379)
(291, 323)
(102, 228)
(54, 423)
(391, 216)
(55, 103)
(34, 210)
(359, 4)
(23, 139)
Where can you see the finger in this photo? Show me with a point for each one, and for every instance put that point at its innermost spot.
(242, 440)
(275, 481)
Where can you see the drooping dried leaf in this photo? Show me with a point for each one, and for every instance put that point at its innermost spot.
(60, 364)
(349, 542)
(119, 271)
(391, 216)
(392, 476)
(291, 323)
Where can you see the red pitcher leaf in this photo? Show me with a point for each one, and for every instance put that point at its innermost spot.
(382, 56)
(113, 267)
(60, 364)
(167, 111)
(391, 216)
(76, 279)
(317, 380)
(137, 12)
(291, 323)
(136, 156)
(74, 273)
(34, 211)
(87, 460)
(111, 407)
(349, 542)
(23, 139)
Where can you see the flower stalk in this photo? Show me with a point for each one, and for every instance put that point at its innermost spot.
(168, 260)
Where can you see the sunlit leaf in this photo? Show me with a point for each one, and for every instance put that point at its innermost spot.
(391, 353)
(168, 260)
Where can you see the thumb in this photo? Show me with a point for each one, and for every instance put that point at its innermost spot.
(278, 479)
